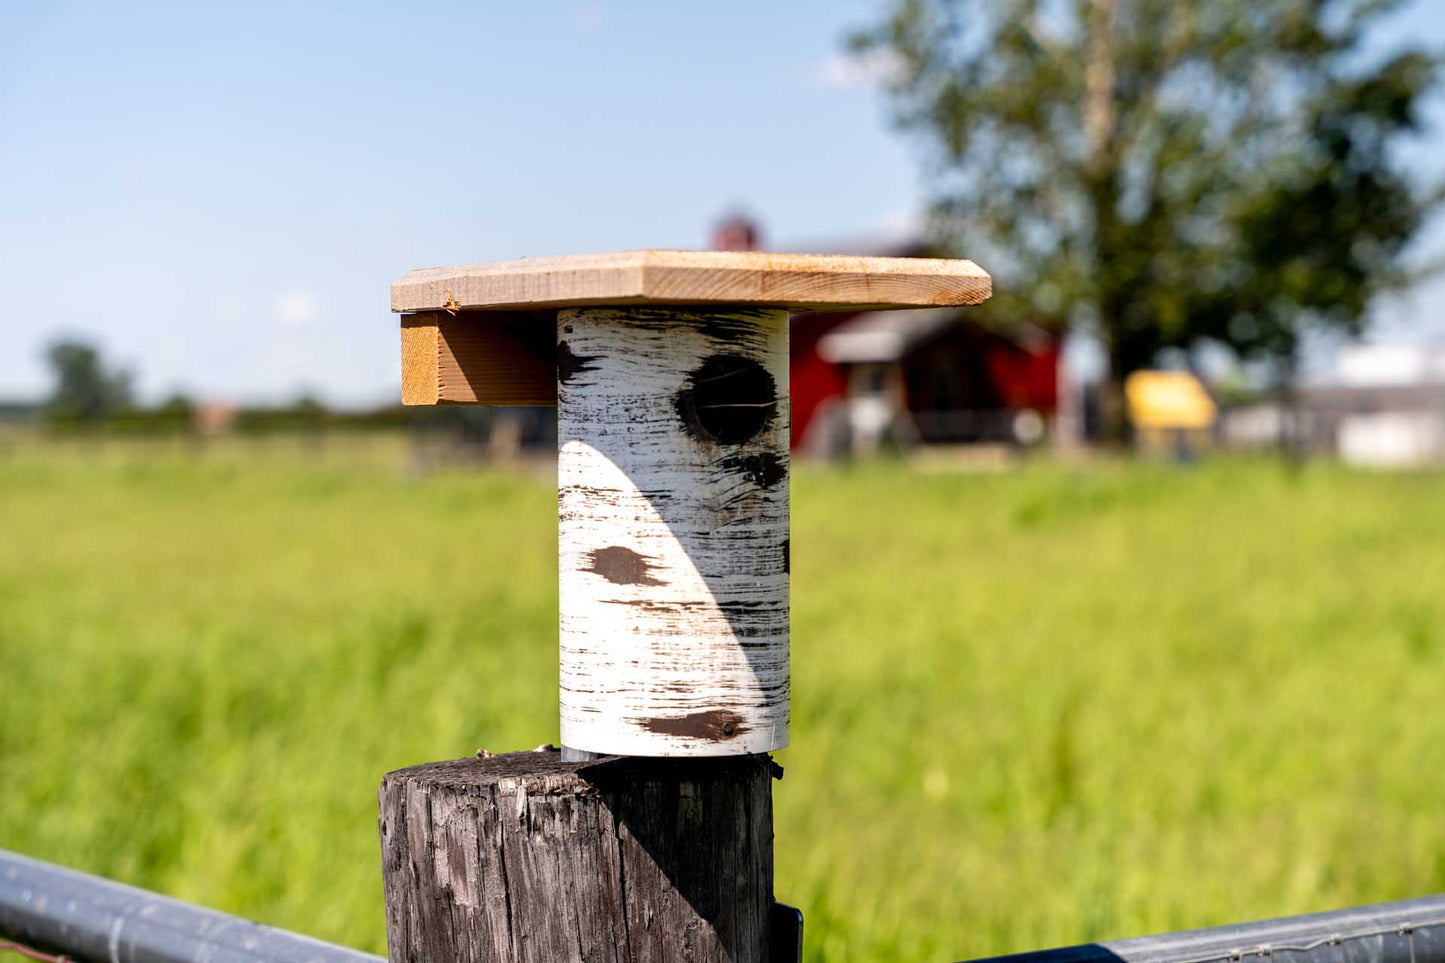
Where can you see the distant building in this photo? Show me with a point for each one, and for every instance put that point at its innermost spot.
(214, 417)
(736, 232)
(19, 412)
(928, 376)
(1383, 406)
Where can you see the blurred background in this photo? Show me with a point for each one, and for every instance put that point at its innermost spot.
(1116, 600)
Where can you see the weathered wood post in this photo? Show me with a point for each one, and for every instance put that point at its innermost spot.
(669, 370)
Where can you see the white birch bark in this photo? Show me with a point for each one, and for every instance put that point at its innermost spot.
(672, 482)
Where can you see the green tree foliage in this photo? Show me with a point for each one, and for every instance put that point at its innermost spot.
(1165, 171)
(85, 391)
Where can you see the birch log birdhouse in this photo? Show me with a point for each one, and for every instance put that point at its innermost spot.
(669, 370)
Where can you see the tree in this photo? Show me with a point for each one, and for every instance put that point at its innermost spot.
(84, 389)
(1164, 171)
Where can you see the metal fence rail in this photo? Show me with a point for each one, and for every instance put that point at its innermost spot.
(93, 920)
(1410, 931)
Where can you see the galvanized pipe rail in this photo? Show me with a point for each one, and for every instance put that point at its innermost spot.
(93, 920)
(1408, 931)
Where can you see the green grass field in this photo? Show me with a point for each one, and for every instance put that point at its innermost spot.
(1031, 708)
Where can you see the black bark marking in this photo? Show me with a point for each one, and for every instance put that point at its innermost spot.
(715, 724)
(569, 364)
(656, 608)
(727, 399)
(736, 327)
(787, 555)
(622, 566)
(765, 469)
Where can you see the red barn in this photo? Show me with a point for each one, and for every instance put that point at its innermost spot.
(924, 376)
(929, 376)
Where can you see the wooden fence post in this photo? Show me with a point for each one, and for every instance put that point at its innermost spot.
(670, 372)
(524, 857)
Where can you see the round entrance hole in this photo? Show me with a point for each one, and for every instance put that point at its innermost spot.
(728, 399)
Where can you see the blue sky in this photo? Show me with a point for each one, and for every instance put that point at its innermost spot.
(220, 195)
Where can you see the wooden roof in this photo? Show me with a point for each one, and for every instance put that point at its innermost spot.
(799, 282)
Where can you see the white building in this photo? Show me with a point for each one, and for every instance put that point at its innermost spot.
(1383, 406)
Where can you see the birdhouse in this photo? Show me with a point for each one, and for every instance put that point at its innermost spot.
(669, 370)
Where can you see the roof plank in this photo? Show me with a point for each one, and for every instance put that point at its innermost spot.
(799, 282)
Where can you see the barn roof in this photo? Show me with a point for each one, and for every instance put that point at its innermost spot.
(879, 336)
(882, 336)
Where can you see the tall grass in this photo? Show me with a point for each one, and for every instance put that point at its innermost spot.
(1031, 708)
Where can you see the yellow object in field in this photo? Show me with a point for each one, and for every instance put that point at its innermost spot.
(1168, 399)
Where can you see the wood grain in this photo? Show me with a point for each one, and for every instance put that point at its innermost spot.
(673, 546)
(525, 859)
(478, 358)
(801, 282)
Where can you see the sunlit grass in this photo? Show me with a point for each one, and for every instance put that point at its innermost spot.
(1030, 708)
